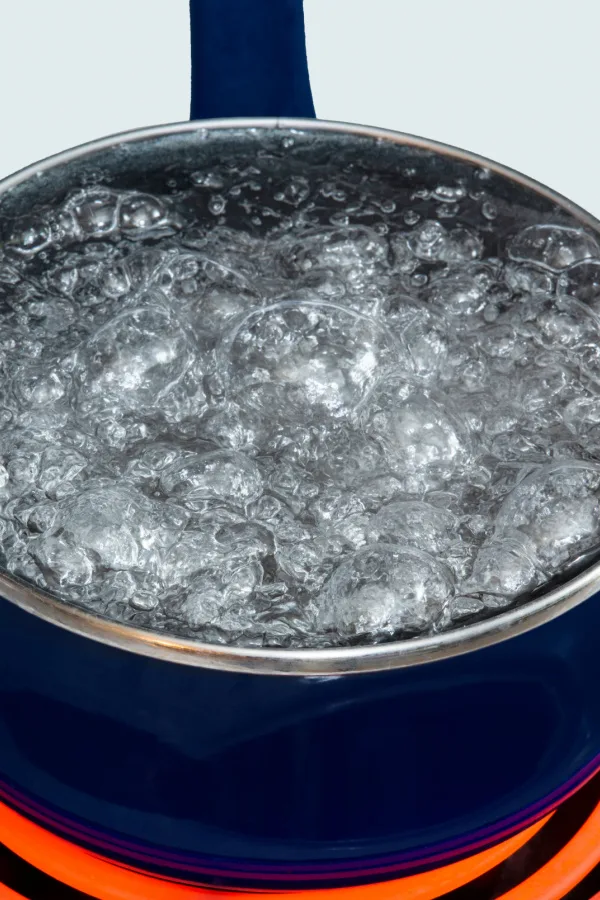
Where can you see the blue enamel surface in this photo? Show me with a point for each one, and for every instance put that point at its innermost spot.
(249, 59)
(306, 774)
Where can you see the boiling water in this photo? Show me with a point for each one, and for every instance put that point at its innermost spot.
(312, 434)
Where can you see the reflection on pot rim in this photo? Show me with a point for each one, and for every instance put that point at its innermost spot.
(303, 662)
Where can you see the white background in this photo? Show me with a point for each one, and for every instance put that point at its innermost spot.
(515, 81)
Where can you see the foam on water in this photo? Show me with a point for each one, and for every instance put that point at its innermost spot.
(308, 434)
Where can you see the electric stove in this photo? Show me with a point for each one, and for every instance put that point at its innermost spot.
(556, 860)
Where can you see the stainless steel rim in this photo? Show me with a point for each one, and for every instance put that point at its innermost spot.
(270, 661)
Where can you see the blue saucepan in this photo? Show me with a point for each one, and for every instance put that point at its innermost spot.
(272, 768)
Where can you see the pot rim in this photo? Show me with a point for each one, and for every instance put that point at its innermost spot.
(276, 661)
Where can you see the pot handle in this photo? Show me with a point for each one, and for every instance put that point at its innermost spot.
(249, 60)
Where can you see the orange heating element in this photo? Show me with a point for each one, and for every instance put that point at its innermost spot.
(98, 877)
(104, 880)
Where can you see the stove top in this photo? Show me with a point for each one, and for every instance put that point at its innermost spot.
(545, 868)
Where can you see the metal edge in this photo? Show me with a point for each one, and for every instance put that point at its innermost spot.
(334, 661)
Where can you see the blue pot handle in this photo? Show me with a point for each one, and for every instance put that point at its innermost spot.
(249, 60)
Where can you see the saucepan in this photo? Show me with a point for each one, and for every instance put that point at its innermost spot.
(281, 768)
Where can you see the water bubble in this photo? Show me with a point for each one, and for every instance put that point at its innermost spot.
(404, 260)
(140, 213)
(134, 361)
(358, 253)
(528, 279)
(432, 241)
(424, 440)
(425, 337)
(62, 564)
(414, 523)
(210, 180)
(217, 205)
(314, 358)
(582, 281)
(429, 241)
(558, 508)
(447, 210)
(504, 568)
(38, 387)
(296, 191)
(32, 241)
(449, 194)
(553, 247)
(96, 212)
(384, 591)
(222, 476)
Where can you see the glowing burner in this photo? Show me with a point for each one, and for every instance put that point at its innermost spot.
(555, 859)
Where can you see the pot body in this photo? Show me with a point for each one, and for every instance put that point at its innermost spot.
(253, 780)
(264, 780)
